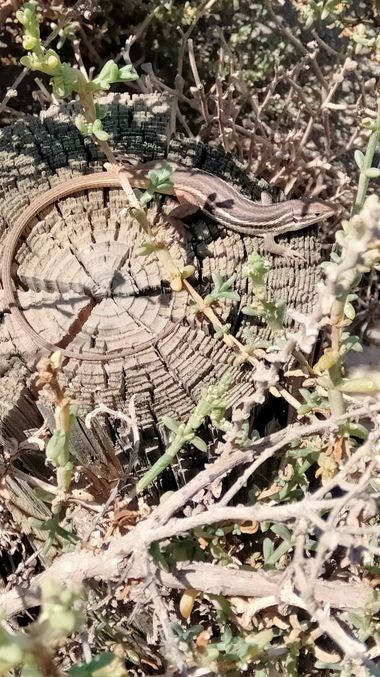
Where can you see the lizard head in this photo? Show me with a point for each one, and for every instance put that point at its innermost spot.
(312, 210)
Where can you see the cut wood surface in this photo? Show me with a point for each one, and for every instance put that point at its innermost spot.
(82, 283)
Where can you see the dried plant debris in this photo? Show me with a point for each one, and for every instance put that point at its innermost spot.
(207, 505)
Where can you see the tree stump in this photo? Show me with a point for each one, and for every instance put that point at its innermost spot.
(82, 283)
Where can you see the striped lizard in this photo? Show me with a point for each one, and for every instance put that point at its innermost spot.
(195, 190)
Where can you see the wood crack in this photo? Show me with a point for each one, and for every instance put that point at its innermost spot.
(77, 326)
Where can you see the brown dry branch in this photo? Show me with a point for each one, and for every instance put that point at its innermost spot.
(298, 45)
(211, 579)
(203, 8)
(355, 506)
(264, 141)
(161, 524)
(285, 156)
(137, 34)
(170, 640)
(231, 459)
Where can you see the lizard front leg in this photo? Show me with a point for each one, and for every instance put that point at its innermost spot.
(184, 209)
(270, 244)
(273, 247)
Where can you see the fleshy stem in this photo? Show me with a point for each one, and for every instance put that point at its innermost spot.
(364, 176)
(211, 405)
(57, 449)
(349, 277)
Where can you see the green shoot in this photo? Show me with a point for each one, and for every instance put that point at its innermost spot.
(65, 79)
(222, 290)
(359, 253)
(364, 162)
(58, 619)
(57, 449)
(159, 182)
(271, 312)
(212, 405)
(237, 650)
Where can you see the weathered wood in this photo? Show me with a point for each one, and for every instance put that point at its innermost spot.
(80, 278)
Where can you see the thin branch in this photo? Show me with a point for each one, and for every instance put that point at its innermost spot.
(298, 44)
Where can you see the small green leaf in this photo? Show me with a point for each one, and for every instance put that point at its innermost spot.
(67, 535)
(248, 310)
(372, 172)
(260, 639)
(101, 111)
(306, 394)
(200, 444)
(229, 282)
(283, 494)
(335, 258)
(356, 430)
(221, 331)
(146, 249)
(359, 158)
(282, 549)
(362, 384)
(145, 197)
(81, 124)
(107, 76)
(282, 531)
(350, 343)
(98, 131)
(222, 290)
(158, 556)
(57, 448)
(101, 135)
(349, 311)
(268, 548)
(160, 178)
(127, 74)
(170, 423)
